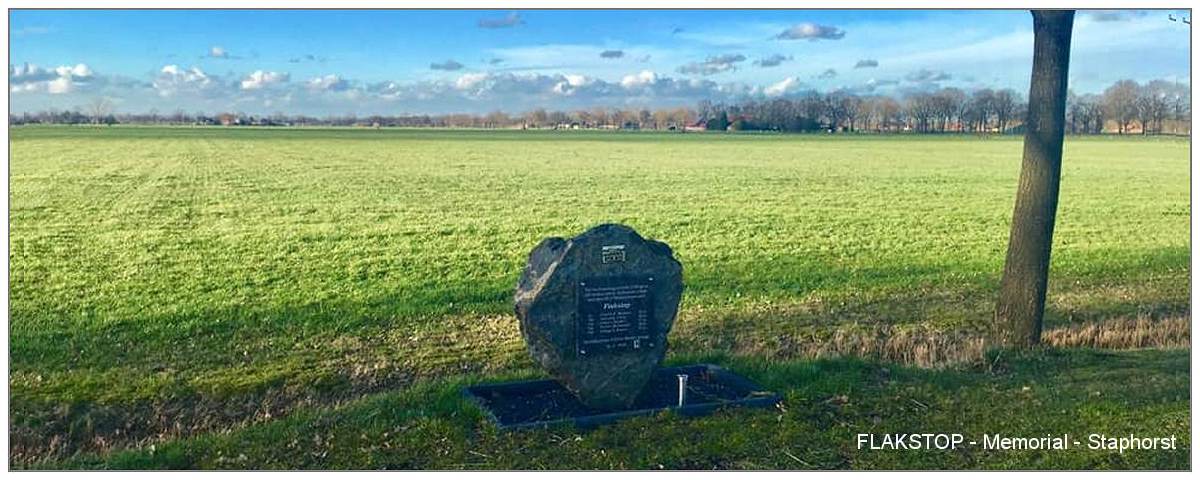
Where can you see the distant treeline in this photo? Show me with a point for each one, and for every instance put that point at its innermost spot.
(1158, 106)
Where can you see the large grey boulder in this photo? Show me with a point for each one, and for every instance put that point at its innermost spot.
(595, 311)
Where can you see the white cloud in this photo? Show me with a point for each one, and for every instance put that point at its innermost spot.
(260, 79)
(470, 80)
(577, 80)
(927, 75)
(783, 87)
(28, 72)
(59, 80)
(772, 61)
(172, 79)
(79, 71)
(22, 87)
(572, 83)
(577, 74)
(386, 90)
(511, 20)
(60, 85)
(713, 65)
(812, 32)
(648, 84)
(641, 79)
(328, 82)
(520, 91)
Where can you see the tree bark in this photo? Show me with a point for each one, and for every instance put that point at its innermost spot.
(1022, 301)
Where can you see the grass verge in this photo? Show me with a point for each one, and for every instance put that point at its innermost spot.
(827, 403)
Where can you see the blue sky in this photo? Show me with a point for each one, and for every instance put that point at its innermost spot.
(396, 62)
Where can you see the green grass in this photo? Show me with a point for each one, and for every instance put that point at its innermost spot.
(826, 405)
(173, 282)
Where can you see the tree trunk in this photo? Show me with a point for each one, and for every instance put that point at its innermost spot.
(1022, 299)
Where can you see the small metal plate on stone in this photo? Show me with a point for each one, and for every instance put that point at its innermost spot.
(615, 314)
(612, 254)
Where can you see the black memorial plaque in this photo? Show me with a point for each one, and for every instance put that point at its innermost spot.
(615, 314)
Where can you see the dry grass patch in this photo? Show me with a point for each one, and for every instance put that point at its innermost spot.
(936, 349)
(1124, 333)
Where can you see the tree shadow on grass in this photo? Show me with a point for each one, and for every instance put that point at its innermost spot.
(117, 384)
(128, 383)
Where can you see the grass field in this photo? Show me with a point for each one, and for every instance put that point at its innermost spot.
(314, 298)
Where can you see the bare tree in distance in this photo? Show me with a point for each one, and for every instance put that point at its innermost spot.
(835, 109)
(1155, 100)
(1004, 104)
(1022, 301)
(981, 109)
(1181, 105)
(961, 105)
(1085, 114)
(1162, 106)
(1120, 103)
(852, 107)
(1143, 105)
(100, 109)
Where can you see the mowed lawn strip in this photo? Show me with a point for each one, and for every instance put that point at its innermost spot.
(172, 266)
